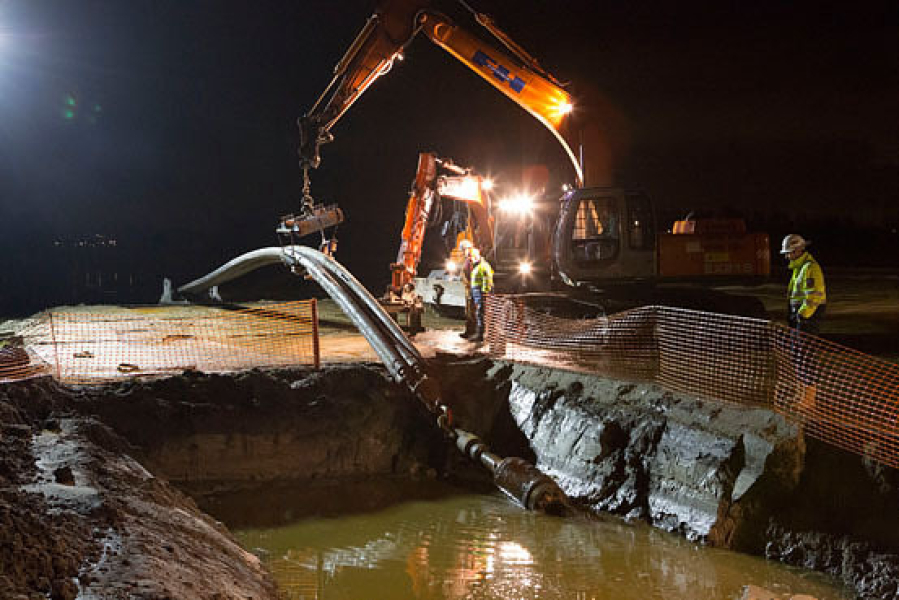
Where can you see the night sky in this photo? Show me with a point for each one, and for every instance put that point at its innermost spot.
(170, 124)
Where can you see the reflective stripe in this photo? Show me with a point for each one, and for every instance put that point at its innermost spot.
(482, 276)
(806, 290)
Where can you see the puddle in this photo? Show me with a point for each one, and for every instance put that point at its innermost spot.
(453, 544)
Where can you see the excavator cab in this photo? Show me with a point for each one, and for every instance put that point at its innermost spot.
(604, 233)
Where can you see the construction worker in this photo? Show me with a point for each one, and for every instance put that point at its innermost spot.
(470, 318)
(481, 285)
(807, 298)
(806, 292)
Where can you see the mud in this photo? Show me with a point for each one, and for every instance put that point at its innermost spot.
(734, 477)
(82, 518)
(93, 479)
(87, 514)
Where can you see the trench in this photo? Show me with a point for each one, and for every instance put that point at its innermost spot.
(340, 483)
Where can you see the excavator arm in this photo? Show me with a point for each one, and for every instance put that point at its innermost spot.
(382, 42)
(428, 187)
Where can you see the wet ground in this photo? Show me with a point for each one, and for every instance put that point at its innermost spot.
(862, 314)
(460, 545)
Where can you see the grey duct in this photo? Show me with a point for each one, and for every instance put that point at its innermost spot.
(522, 481)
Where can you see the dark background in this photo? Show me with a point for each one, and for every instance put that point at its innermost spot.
(168, 127)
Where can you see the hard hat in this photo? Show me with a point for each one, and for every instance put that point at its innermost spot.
(475, 254)
(465, 244)
(794, 241)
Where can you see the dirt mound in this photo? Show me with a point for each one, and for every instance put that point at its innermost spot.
(78, 516)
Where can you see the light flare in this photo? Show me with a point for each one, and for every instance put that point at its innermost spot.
(519, 203)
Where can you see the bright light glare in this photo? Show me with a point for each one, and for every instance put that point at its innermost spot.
(560, 108)
(463, 188)
(451, 266)
(524, 268)
(487, 184)
(518, 203)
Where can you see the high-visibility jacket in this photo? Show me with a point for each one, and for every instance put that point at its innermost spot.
(482, 276)
(806, 290)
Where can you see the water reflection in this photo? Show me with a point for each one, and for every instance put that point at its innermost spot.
(477, 546)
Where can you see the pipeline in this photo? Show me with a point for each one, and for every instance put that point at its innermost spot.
(520, 480)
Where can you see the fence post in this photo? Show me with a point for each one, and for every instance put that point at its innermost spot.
(316, 351)
(55, 347)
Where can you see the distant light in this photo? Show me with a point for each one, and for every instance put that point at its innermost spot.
(566, 187)
(524, 268)
(462, 188)
(517, 203)
(69, 106)
(487, 184)
(451, 266)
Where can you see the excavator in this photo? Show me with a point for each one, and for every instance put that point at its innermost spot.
(599, 235)
(435, 179)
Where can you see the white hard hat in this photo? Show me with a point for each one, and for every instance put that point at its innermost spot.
(464, 244)
(794, 241)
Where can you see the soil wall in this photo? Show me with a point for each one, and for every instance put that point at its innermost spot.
(731, 476)
(79, 517)
(87, 507)
(215, 433)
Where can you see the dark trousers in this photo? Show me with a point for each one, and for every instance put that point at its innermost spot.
(805, 349)
(471, 319)
(479, 298)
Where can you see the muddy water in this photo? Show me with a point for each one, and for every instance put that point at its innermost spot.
(482, 546)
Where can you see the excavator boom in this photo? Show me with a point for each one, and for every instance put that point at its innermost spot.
(427, 188)
(382, 41)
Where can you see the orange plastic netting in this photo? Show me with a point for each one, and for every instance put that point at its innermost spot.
(842, 396)
(17, 363)
(93, 346)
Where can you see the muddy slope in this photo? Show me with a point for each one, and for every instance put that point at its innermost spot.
(85, 511)
(731, 476)
(81, 518)
(87, 502)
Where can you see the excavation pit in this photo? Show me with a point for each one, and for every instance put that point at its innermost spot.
(326, 453)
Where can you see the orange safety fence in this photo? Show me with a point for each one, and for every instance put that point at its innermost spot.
(840, 395)
(86, 345)
(17, 364)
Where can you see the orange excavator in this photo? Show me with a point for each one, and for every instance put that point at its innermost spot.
(435, 178)
(597, 234)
